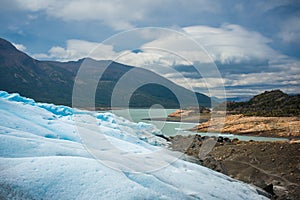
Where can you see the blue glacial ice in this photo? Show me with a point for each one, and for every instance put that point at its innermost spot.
(42, 157)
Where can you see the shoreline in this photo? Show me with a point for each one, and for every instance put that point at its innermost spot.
(289, 138)
(281, 127)
(238, 124)
(167, 119)
(252, 134)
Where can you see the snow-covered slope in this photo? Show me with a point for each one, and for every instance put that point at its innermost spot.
(42, 157)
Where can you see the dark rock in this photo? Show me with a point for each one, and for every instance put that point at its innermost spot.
(164, 137)
(205, 137)
(220, 139)
(269, 189)
(234, 140)
(198, 137)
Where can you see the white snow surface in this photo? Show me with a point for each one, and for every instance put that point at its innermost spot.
(42, 157)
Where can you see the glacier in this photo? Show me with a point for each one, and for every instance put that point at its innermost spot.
(43, 156)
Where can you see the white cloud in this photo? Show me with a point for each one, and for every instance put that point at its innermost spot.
(227, 44)
(232, 43)
(32, 17)
(290, 31)
(77, 49)
(180, 45)
(20, 47)
(118, 14)
(34, 5)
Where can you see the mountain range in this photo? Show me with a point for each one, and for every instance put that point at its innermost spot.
(52, 81)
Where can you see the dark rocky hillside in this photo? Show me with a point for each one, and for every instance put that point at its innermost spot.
(50, 81)
(273, 103)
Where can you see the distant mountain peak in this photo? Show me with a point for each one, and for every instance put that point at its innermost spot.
(272, 95)
(6, 45)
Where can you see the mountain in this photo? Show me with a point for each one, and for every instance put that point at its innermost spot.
(239, 98)
(51, 81)
(235, 99)
(273, 103)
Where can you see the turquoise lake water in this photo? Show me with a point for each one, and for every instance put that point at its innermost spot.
(176, 128)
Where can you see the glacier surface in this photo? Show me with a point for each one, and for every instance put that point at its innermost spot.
(42, 156)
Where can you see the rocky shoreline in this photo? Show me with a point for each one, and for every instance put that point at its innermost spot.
(287, 127)
(273, 166)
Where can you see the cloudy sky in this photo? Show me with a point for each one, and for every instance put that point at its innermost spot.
(254, 44)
